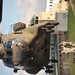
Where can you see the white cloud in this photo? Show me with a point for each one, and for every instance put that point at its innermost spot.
(18, 2)
(27, 9)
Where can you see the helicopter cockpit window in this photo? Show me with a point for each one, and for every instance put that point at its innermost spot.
(8, 62)
(9, 44)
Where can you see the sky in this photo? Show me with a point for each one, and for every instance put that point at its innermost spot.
(19, 11)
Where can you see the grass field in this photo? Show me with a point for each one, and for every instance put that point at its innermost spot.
(71, 37)
(72, 65)
(73, 2)
(71, 26)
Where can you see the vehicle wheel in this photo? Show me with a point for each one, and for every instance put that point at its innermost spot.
(49, 66)
(49, 71)
(19, 26)
(15, 70)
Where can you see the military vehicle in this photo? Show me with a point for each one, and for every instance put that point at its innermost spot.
(27, 48)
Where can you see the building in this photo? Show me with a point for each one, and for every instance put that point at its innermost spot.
(57, 11)
(62, 18)
(50, 5)
(47, 16)
(56, 38)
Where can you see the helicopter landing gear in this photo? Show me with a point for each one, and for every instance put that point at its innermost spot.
(15, 70)
(48, 69)
(54, 60)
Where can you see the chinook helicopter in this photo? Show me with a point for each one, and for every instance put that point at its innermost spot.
(27, 48)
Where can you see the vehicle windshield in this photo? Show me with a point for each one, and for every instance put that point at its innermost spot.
(9, 44)
(8, 62)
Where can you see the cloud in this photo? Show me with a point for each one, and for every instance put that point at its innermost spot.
(27, 9)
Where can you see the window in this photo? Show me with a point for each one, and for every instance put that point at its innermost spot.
(60, 59)
(60, 63)
(60, 71)
(51, 14)
(48, 17)
(52, 52)
(60, 55)
(52, 48)
(50, 8)
(60, 51)
(51, 2)
(50, 5)
(60, 68)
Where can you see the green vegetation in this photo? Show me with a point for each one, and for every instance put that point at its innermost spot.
(71, 37)
(74, 4)
(72, 65)
(71, 26)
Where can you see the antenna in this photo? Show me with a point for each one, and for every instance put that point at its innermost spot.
(11, 28)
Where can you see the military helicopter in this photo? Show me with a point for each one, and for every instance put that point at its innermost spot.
(27, 48)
